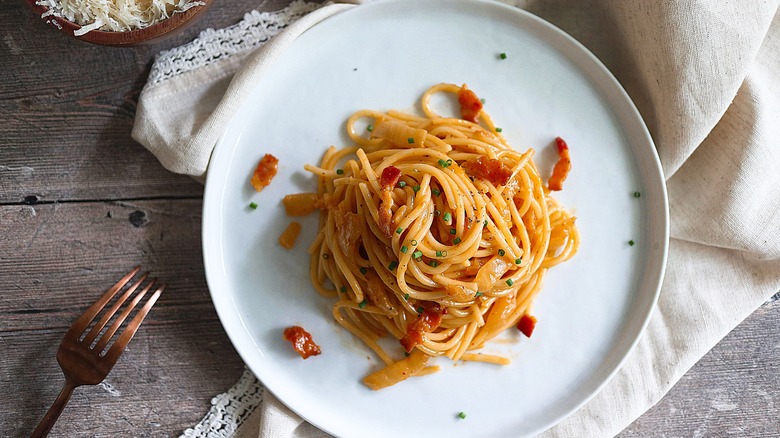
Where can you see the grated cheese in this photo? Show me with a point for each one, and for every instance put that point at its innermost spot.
(114, 15)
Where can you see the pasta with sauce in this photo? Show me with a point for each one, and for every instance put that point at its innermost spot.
(434, 231)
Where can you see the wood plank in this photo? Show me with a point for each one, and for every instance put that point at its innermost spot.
(68, 109)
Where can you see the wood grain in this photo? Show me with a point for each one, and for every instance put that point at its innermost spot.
(81, 203)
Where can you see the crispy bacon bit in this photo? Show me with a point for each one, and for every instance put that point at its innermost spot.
(388, 180)
(562, 167)
(290, 235)
(470, 105)
(427, 322)
(488, 169)
(526, 325)
(390, 177)
(302, 341)
(265, 171)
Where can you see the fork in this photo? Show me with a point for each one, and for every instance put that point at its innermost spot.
(86, 359)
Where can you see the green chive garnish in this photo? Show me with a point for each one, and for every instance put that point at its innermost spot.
(253, 205)
(456, 240)
(484, 224)
(637, 194)
(437, 212)
(501, 252)
(416, 189)
(370, 128)
(461, 415)
(453, 231)
(439, 254)
(499, 129)
(510, 282)
(399, 230)
(414, 242)
(363, 271)
(436, 192)
(406, 297)
(447, 216)
(404, 249)
(482, 100)
(343, 289)
(340, 172)
(433, 263)
(402, 184)
(631, 243)
(502, 56)
(392, 265)
(417, 254)
(326, 256)
(420, 309)
(443, 163)
(518, 261)
(449, 163)
(478, 294)
(410, 140)
(363, 304)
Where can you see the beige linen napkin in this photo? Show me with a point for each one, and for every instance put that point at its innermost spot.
(706, 77)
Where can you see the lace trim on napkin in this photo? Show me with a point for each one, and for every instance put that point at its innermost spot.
(212, 45)
(229, 409)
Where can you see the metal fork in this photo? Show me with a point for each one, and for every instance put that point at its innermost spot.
(87, 360)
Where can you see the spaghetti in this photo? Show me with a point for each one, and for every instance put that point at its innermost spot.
(434, 231)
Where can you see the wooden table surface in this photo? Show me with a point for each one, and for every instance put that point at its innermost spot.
(81, 203)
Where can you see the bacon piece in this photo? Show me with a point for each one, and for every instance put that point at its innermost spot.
(302, 341)
(470, 105)
(526, 325)
(290, 235)
(427, 322)
(488, 169)
(397, 372)
(562, 167)
(265, 172)
(388, 180)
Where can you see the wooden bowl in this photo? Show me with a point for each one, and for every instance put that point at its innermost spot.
(154, 33)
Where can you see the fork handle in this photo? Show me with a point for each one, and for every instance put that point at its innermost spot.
(54, 411)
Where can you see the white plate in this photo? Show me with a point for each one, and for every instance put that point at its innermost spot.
(382, 56)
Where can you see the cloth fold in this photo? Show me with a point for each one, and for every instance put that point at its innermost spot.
(706, 79)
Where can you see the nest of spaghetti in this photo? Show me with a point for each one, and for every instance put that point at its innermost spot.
(433, 231)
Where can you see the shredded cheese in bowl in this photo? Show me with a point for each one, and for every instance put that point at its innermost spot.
(115, 15)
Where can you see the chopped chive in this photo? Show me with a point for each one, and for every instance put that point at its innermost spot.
(363, 303)
(417, 254)
(443, 163)
(437, 212)
(326, 256)
(406, 297)
(340, 172)
(433, 263)
(510, 282)
(447, 216)
(436, 192)
(631, 243)
(392, 265)
(439, 254)
(410, 140)
(484, 224)
(456, 240)
(518, 261)
(414, 242)
(416, 189)
(363, 271)
(501, 252)
(399, 230)
(370, 128)
(499, 129)
(478, 294)
(482, 100)
(461, 415)
(404, 249)
(253, 205)
(407, 354)
(637, 194)
(449, 163)
(343, 289)
(453, 231)
(502, 55)
(402, 184)
(420, 309)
